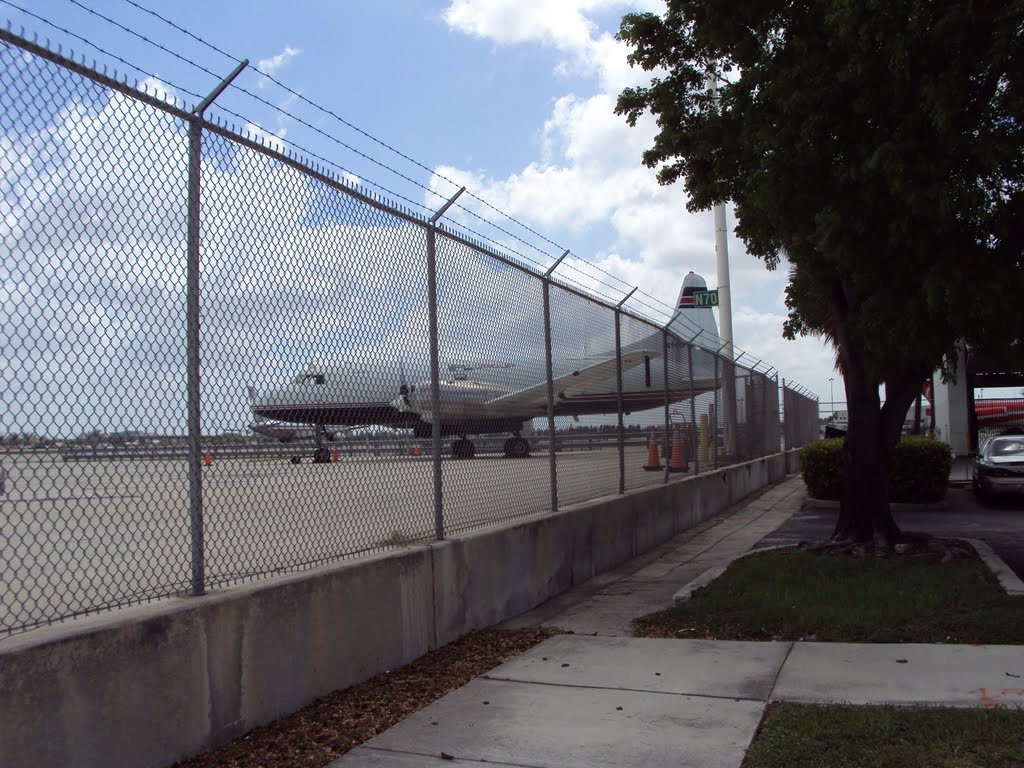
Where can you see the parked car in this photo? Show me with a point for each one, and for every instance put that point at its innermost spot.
(999, 466)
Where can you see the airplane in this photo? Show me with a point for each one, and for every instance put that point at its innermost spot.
(472, 403)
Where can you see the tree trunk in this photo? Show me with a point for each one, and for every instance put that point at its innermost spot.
(864, 505)
(864, 502)
(872, 432)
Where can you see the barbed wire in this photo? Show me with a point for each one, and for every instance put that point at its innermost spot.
(346, 123)
(98, 48)
(387, 146)
(142, 37)
(326, 135)
(330, 137)
(303, 149)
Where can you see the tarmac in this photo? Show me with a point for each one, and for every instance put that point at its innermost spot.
(599, 697)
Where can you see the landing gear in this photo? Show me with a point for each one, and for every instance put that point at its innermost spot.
(321, 455)
(463, 449)
(517, 448)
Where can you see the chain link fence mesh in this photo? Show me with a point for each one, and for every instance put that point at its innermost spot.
(320, 322)
(800, 419)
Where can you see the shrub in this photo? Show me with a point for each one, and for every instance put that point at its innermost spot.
(919, 472)
(822, 468)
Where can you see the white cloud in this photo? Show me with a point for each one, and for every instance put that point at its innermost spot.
(273, 64)
(565, 26)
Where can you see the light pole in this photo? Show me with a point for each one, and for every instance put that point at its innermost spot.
(831, 398)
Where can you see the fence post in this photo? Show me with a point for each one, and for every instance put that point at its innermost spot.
(195, 448)
(435, 366)
(668, 401)
(552, 463)
(714, 427)
(787, 417)
(693, 405)
(194, 401)
(618, 391)
(776, 437)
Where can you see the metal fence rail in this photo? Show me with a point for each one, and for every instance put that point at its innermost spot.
(170, 282)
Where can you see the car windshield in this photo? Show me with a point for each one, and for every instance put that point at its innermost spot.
(1007, 448)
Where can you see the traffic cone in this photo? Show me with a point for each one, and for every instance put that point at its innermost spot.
(208, 459)
(334, 455)
(416, 451)
(653, 459)
(677, 462)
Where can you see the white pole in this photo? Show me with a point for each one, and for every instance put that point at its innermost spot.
(722, 255)
(724, 306)
(724, 299)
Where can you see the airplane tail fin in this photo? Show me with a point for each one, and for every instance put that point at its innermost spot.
(691, 322)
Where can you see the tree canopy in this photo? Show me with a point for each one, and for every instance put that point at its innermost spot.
(875, 147)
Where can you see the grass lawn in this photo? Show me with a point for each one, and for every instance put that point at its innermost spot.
(840, 736)
(793, 595)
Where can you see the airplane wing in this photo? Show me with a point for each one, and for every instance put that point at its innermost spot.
(536, 397)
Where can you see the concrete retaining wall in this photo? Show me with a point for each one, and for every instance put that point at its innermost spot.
(146, 686)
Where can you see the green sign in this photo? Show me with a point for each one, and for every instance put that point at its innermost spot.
(705, 298)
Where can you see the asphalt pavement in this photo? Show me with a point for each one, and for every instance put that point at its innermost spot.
(999, 523)
(600, 697)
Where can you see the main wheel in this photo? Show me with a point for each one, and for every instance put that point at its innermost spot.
(463, 449)
(517, 448)
(321, 456)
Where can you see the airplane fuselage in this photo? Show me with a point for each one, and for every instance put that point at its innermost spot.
(502, 397)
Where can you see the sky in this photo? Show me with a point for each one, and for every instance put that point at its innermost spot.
(411, 99)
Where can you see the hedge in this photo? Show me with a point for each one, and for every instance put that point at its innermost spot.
(919, 472)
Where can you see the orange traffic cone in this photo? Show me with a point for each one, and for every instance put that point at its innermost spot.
(208, 459)
(334, 455)
(653, 459)
(677, 462)
(416, 451)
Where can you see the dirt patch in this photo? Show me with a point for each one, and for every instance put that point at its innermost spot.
(331, 726)
(914, 546)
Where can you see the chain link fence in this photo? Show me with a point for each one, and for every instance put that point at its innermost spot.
(220, 363)
(801, 423)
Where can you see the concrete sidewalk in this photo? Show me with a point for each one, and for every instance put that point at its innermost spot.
(604, 698)
(607, 603)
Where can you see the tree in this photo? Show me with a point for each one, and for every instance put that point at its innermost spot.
(877, 148)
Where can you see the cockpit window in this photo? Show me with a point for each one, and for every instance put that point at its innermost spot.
(310, 378)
